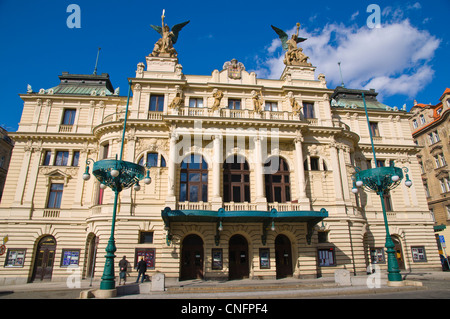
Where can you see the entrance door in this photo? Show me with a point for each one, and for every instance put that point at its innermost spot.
(283, 256)
(192, 258)
(238, 258)
(398, 253)
(45, 255)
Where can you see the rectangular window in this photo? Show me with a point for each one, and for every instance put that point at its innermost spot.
(15, 257)
(146, 237)
(436, 161)
(442, 159)
(377, 255)
(48, 155)
(308, 110)
(69, 116)
(195, 102)
(314, 162)
(415, 125)
(70, 257)
(62, 158)
(418, 254)
(436, 136)
(380, 163)
(431, 138)
(156, 103)
(443, 188)
(387, 202)
(75, 158)
(326, 257)
(374, 129)
(234, 104)
(271, 106)
(422, 119)
(55, 196)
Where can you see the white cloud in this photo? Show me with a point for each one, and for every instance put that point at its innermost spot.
(393, 59)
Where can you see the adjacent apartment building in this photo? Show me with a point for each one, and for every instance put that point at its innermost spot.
(430, 127)
(251, 178)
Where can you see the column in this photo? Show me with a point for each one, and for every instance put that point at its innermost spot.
(336, 173)
(261, 201)
(217, 161)
(343, 169)
(23, 176)
(171, 199)
(301, 185)
(33, 175)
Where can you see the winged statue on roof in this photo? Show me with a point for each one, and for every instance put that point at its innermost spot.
(164, 46)
(294, 55)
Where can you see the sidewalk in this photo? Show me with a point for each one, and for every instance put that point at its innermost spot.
(237, 289)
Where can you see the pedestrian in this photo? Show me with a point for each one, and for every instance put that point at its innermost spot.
(141, 268)
(123, 265)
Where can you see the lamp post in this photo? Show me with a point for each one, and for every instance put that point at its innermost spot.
(117, 175)
(381, 180)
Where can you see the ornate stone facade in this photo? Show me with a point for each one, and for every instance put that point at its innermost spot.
(312, 144)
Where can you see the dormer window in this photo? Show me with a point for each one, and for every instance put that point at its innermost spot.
(422, 119)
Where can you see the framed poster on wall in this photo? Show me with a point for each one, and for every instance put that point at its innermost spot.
(264, 258)
(149, 257)
(217, 259)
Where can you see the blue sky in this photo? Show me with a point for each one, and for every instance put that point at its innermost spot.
(405, 59)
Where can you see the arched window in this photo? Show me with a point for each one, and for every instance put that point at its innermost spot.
(278, 186)
(236, 180)
(152, 159)
(193, 179)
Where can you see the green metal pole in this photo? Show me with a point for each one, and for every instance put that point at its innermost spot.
(108, 281)
(370, 130)
(393, 269)
(125, 120)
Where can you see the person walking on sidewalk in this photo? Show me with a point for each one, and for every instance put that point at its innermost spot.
(123, 265)
(141, 268)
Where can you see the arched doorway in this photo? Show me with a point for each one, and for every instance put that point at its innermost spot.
(238, 258)
(398, 253)
(191, 258)
(283, 256)
(43, 261)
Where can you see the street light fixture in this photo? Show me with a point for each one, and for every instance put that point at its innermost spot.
(118, 175)
(381, 180)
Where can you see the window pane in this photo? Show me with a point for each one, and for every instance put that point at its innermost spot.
(205, 192)
(47, 158)
(156, 103)
(163, 161)
(194, 177)
(61, 158)
(152, 159)
(182, 192)
(69, 117)
(76, 158)
(193, 193)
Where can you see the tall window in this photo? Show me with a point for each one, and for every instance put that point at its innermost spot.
(271, 106)
(387, 202)
(194, 179)
(308, 110)
(278, 188)
(195, 102)
(75, 158)
(48, 155)
(234, 104)
(69, 116)
(422, 119)
(236, 180)
(55, 196)
(415, 125)
(374, 129)
(62, 158)
(156, 103)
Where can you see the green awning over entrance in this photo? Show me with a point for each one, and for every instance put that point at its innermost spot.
(241, 216)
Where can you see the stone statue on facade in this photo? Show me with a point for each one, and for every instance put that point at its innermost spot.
(296, 107)
(164, 46)
(257, 101)
(217, 95)
(294, 55)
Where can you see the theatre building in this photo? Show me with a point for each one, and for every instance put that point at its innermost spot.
(251, 178)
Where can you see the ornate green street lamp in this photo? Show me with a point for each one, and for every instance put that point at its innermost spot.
(117, 175)
(381, 180)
